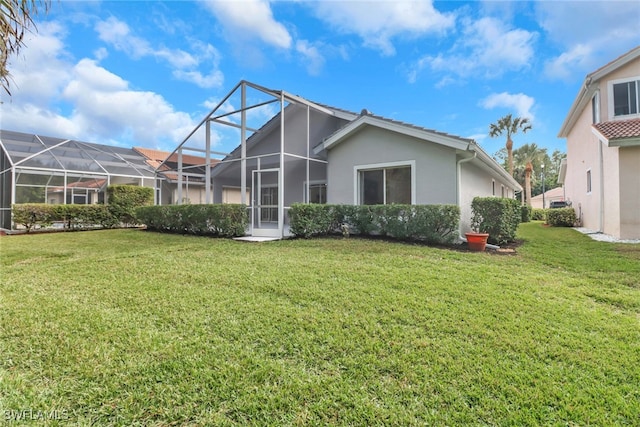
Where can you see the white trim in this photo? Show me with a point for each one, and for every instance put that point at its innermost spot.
(305, 194)
(610, 104)
(377, 166)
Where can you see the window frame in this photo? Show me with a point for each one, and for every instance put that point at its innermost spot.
(357, 182)
(610, 98)
(589, 181)
(317, 183)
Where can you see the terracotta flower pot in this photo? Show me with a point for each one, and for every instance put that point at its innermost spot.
(477, 241)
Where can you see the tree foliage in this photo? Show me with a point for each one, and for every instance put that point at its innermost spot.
(16, 19)
(509, 126)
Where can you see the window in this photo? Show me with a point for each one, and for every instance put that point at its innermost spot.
(595, 108)
(317, 193)
(625, 98)
(589, 181)
(385, 185)
(493, 188)
(502, 190)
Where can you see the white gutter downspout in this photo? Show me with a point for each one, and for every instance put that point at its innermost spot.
(459, 185)
(601, 158)
(459, 192)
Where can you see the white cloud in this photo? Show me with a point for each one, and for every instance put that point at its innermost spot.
(312, 56)
(520, 102)
(589, 35)
(486, 48)
(563, 67)
(251, 19)
(94, 104)
(118, 34)
(377, 22)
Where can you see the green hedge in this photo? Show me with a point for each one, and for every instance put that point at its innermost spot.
(564, 217)
(125, 199)
(72, 216)
(497, 216)
(429, 223)
(538, 214)
(525, 212)
(227, 220)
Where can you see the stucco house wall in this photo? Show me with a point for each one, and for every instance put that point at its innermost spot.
(611, 203)
(434, 165)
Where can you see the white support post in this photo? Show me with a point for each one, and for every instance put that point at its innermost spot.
(281, 173)
(243, 144)
(207, 173)
(179, 176)
(308, 187)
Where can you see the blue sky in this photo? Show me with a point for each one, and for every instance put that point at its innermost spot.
(135, 73)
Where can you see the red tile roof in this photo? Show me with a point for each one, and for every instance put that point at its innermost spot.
(619, 129)
(155, 157)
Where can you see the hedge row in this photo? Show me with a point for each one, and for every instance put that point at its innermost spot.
(539, 214)
(30, 215)
(227, 220)
(428, 223)
(123, 200)
(563, 217)
(497, 216)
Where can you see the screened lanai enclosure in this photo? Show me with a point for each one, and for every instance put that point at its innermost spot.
(270, 163)
(40, 169)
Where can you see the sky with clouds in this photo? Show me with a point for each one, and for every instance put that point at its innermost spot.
(137, 73)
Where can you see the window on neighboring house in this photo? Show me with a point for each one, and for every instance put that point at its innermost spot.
(493, 188)
(385, 185)
(502, 190)
(595, 108)
(589, 181)
(625, 98)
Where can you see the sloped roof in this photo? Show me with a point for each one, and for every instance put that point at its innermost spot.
(591, 83)
(619, 132)
(156, 157)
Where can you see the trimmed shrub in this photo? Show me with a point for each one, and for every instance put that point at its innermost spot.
(497, 216)
(429, 223)
(563, 217)
(525, 213)
(538, 214)
(227, 220)
(72, 216)
(125, 199)
(31, 214)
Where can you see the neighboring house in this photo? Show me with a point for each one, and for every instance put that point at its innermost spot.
(553, 195)
(170, 189)
(602, 172)
(310, 152)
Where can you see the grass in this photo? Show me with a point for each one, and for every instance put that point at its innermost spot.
(124, 327)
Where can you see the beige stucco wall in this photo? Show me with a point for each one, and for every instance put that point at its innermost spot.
(630, 193)
(612, 207)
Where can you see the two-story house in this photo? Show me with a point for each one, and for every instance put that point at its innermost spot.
(602, 128)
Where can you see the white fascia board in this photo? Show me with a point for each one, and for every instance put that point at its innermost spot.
(599, 135)
(591, 84)
(357, 124)
(491, 164)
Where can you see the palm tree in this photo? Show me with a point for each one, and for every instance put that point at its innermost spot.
(528, 158)
(510, 126)
(15, 20)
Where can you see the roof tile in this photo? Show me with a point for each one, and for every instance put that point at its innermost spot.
(619, 129)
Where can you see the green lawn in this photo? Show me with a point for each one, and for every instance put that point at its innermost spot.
(125, 327)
